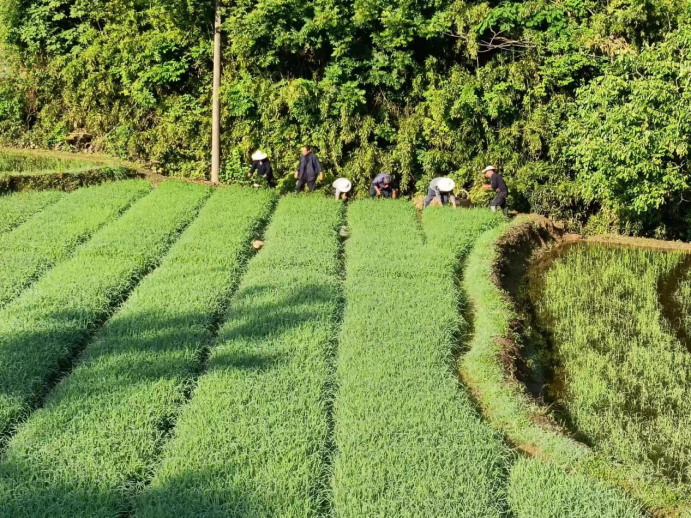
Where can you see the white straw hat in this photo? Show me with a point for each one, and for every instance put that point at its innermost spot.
(342, 185)
(446, 185)
(489, 168)
(258, 155)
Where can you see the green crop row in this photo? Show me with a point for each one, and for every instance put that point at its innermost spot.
(97, 437)
(537, 489)
(42, 329)
(253, 439)
(52, 235)
(15, 209)
(409, 442)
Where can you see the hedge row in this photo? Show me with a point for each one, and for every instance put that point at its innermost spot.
(52, 235)
(63, 181)
(253, 439)
(409, 442)
(98, 436)
(16, 208)
(555, 485)
(41, 330)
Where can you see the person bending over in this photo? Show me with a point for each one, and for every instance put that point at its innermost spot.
(441, 189)
(381, 187)
(498, 185)
(262, 165)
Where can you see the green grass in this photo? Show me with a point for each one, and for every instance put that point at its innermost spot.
(96, 439)
(627, 377)
(409, 442)
(568, 471)
(41, 330)
(15, 209)
(541, 490)
(32, 162)
(253, 439)
(52, 235)
(504, 400)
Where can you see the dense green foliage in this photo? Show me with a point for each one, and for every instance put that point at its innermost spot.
(102, 427)
(51, 236)
(409, 442)
(15, 209)
(584, 103)
(627, 377)
(254, 438)
(42, 329)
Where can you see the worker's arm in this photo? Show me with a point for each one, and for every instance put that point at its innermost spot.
(377, 189)
(486, 187)
(452, 200)
(437, 195)
(252, 169)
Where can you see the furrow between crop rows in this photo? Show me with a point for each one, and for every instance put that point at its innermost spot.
(409, 442)
(251, 440)
(52, 235)
(15, 209)
(93, 444)
(42, 330)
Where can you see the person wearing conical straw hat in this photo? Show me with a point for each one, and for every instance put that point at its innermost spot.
(262, 165)
(342, 186)
(441, 189)
(498, 185)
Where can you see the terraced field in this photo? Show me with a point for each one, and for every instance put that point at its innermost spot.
(152, 363)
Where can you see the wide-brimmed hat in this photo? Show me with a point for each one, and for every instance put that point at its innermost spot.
(489, 168)
(446, 185)
(343, 185)
(258, 155)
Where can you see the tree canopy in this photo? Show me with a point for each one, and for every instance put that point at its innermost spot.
(584, 104)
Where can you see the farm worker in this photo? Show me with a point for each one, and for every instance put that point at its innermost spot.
(308, 170)
(342, 187)
(498, 185)
(262, 165)
(441, 189)
(381, 187)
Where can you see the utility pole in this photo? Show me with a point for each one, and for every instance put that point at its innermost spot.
(216, 122)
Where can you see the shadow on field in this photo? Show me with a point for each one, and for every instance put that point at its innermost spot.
(102, 402)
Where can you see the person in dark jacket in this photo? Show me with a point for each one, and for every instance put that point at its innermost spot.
(498, 185)
(382, 187)
(262, 165)
(308, 171)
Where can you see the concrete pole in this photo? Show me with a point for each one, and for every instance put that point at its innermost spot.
(216, 122)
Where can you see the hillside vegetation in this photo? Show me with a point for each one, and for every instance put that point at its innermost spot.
(584, 103)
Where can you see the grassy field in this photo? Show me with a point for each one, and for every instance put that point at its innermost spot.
(254, 437)
(32, 162)
(53, 234)
(41, 331)
(409, 442)
(152, 365)
(95, 442)
(15, 209)
(627, 378)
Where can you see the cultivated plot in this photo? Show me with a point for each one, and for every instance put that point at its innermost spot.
(93, 445)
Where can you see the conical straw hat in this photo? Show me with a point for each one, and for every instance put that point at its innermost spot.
(446, 185)
(343, 185)
(258, 155)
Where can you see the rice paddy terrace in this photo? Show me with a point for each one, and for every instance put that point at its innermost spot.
(153, 364)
